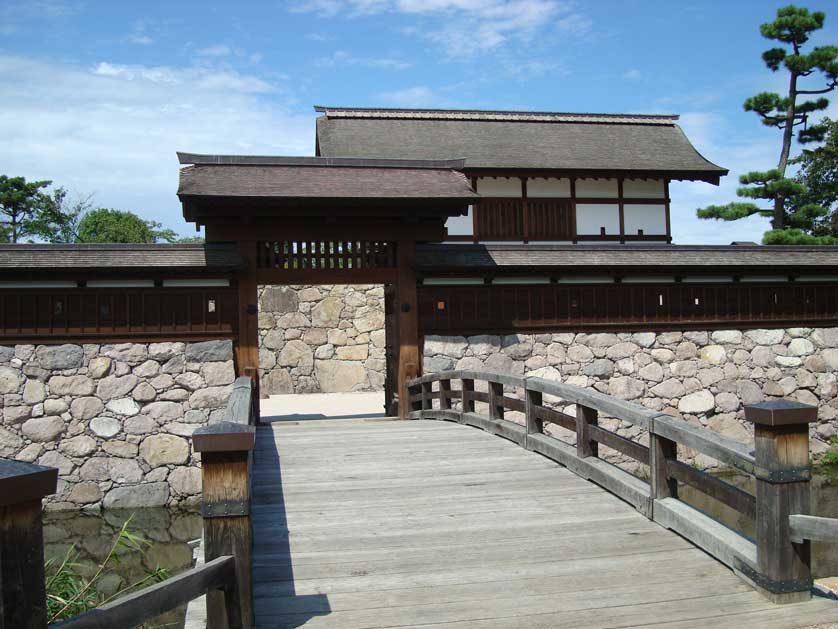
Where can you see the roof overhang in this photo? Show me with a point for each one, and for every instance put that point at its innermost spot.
(217, 186)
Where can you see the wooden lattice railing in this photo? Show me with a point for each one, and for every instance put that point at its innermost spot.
(777, 561)
(325, 255)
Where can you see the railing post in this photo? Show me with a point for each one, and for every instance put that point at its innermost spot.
(533, 401)
(468, 397)
(444, 392)
(495, 400)
(225, 506)
(23, 599)
(585, 446)
(783, 472)
(661, 450)
(427, 396)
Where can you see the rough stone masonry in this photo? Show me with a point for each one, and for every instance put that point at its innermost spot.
(114, 419)
(321, 339)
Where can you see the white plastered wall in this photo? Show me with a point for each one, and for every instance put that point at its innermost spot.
(650, 218)
(491, 187)
(596, 188)
(590, 217)
(548, 188)
(644, 189)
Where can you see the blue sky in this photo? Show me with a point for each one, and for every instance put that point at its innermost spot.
(98, 96)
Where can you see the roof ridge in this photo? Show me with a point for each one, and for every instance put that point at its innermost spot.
(489, 114)
(199, 159)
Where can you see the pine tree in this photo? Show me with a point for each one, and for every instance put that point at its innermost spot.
(792, 27)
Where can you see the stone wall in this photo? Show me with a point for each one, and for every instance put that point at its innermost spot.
(114, 419)
(704, 377)
(326, 338)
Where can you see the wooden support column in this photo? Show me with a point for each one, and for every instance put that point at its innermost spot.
(496, 400)
(535, 426)
(225, 507)
(783, 472)
(468, 397)
(23, 599)
(585, 418)
(444, 393)
(661, 450)
(410, 362)
(247, 348)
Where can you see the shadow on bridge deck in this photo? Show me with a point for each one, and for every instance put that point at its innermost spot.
(385, 523)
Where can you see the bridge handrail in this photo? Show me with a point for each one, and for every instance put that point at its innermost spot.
(776, 564)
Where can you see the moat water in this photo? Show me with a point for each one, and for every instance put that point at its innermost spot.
(167, 536)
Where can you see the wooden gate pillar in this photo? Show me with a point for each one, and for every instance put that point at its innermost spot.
(407, 303)
(247, 348)
(783, 472)
(23, 599)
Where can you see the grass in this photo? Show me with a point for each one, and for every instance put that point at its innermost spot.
(70, 594)
(830, 458)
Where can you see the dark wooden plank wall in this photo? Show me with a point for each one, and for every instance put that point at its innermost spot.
(475, 309)
(117, 312)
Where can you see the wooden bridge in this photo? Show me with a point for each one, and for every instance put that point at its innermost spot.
(387, 523)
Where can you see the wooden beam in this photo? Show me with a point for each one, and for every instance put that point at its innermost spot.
(247, 348)
(410, 362)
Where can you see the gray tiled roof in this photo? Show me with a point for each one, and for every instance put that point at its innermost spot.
(604, 258)
(134, 257)
(517, 140)
(323, 182)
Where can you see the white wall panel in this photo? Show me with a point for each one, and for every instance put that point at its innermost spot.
(650, 218)
(490, 187)
(590, 217)
(644, 189)
(548, 188)
(596, 188)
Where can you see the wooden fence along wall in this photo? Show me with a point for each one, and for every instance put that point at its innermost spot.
(51, 314)
(467, 309)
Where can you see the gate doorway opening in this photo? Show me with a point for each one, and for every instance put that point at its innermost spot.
(324, 345)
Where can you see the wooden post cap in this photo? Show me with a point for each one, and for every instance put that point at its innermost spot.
(781, 413)
(224, 437)
(22, 482)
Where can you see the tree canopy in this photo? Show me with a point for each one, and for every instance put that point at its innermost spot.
(785, 196)
(108, 225)
(24, 206)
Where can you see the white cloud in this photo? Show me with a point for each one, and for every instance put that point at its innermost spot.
(343, 58)
(113, 129)
(218, 50)
(418, 96)
(15, 15)
(138, 35)
(633, 74)
(465, 28)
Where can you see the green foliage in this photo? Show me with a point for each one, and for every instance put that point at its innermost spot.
(789, 210)
(116, 226)
(795, 237)
(23, 206)
(69, 593)
(818, 173)
(830, 457)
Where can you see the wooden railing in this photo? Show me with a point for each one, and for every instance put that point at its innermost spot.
(777, 562)
(520, 219)
(225, 505)
(325, 255)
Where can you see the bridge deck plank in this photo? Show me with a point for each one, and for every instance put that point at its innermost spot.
(387, 523)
